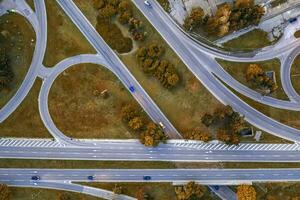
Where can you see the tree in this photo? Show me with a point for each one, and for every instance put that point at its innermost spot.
(173, 79)
(223, 136)
(118, 189)
(197, 134)
(6, 73)
(141, 194)
(4, 192)
(207, 119)
(125, 6)
(136, 123)
(128, 112)
(107, 12)
(194, 19)
(153, 135)
(246, 192)
(244, 3)
(98, 4)
(253, 71)
(190, 191)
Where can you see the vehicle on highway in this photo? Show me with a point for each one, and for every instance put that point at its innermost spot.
(162, 125)
(90, 178)
(216, 187)
(147, 3)
(292, 20)
(147, 178)
(132, 89)
(35, 178)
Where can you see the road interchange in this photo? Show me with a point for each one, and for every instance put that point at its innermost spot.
(111, 61)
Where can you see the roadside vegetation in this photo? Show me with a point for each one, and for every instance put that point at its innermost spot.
(295, 74)
(250, 41)
(86, 100)
(25, 121)
(165, 4)
(226, 123)
(17, 41)
(228, 18)
(246, 192)
(253, 75)
(64, 39)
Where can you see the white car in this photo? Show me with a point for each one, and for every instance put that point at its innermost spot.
(147, 3)
(162, 125)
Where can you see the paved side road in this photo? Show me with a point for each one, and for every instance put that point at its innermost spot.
(68, 186)
(117, 66)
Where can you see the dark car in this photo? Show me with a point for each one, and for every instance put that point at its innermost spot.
(292, 20)
(216, 187)
(147, 178)
(131, 88)
(35, 178)
(90, 178)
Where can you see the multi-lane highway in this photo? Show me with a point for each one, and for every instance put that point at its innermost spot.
(203, 176)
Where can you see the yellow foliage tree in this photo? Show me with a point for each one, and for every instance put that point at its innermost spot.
(246, 192)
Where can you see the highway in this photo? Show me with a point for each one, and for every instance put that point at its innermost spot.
(202, 176)
(172, 152)
(119, 69)
(201, 66)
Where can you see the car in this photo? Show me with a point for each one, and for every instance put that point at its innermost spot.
(132, 89)
(162, 125)
(35, 178)
(292, 20)
(147, 3)
(147, 178)
(216, 187)
(90, 178)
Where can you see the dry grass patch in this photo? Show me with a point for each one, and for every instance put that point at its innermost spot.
(78, 108)
(19, 38)
(25, 121)
(238, 71)
(64, 39)
(295, 74)
(252, 40)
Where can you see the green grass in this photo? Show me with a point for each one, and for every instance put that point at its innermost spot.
(295, 74)
(238, 72)
(252, 40)
(64, 39)
(18, 35)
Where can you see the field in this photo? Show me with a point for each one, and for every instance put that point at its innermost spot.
(252, 40)
(44, 194)
(64, 39)
(238, 72)
(184, 105)
(20, 39)
(25, 121)
(295, 74)
(80, 111)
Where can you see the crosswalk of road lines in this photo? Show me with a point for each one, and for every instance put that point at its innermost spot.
(241, 147)
(29, 143)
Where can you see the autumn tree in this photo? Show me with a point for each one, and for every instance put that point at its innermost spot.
(142, 195)
(194, 19)
(207, 119)
(197, 134)
(246, 192)
(189, 191)
(107, 12)
(153, 135)
(128, 112)
(136, 123)
(118, 189)
(4, 192)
